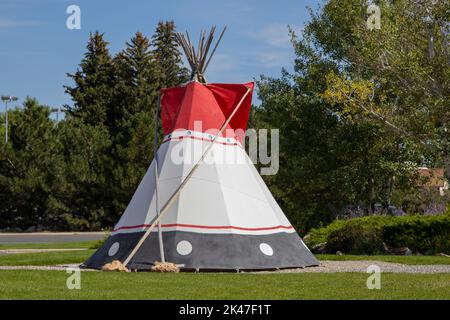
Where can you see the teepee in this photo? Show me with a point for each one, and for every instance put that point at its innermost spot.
(202, 204)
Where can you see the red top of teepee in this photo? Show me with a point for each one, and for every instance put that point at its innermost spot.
(207, 104)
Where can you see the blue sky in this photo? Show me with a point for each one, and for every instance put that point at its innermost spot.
(37, 49)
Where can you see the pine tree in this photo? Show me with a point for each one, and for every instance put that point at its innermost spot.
(137, 80)
(88, 127)
(131, 118)
(167, 55)
(94, 83)
(28, 167)
(83, 200)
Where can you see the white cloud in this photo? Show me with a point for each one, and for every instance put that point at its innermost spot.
(276, 34)
(229, 68)
(274, 58)
(222, 62)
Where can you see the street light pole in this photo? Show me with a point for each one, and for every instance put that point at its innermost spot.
(6, 122)
(7, 99)
(55, 110)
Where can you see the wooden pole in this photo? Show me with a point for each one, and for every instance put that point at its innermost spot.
(214, 50)
(198, 59)
(155, 156)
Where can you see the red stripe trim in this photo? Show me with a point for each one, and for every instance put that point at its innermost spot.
(198, 138)
(205, 227)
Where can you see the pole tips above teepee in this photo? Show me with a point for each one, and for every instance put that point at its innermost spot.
(199, 59)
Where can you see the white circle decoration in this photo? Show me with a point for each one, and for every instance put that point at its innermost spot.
(266, 249)
(184, 247)
(113, 249)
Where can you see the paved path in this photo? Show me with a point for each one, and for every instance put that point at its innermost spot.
(12, 251)
(61, 267)
(43, 237)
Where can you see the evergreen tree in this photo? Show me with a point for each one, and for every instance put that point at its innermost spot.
(168, 56)
(132, 119)
(137, 80)
(29, 168)
(94, 83)
(83, 198)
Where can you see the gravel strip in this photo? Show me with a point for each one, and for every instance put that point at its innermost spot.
(361, 266)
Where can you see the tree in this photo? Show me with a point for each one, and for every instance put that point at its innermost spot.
(94, 83)
(82, 200)
(397, 75)
(334, 151)
(137, 79)
(132, 119)
(168, 56)
(112, 122)
(363, 108)
(325, 163)
(29, 170)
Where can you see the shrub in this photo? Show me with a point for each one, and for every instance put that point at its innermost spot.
(358, 236)
(422, 234)
(320, 235)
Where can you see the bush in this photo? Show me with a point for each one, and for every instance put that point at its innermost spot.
(426, 235)
(320, 235)
(362, 236)
(422, 234)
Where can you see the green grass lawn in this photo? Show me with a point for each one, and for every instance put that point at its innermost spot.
(48, 245)
(26, 284)
(413, 260)
(44, 258)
